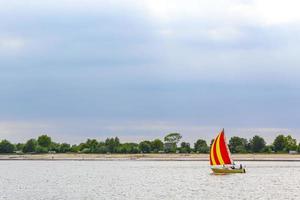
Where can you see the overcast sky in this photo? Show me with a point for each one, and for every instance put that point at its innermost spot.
(140, 69)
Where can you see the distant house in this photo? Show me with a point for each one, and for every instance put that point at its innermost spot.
(293, 152)
(18, 152)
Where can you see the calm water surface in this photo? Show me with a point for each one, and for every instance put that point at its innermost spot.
(74, 180)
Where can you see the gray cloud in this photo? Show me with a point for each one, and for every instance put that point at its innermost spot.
(118, 62)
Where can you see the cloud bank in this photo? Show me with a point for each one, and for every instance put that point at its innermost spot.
(74, 68)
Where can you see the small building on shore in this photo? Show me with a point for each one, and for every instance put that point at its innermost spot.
(293, 152)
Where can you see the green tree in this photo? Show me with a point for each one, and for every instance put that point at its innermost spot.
(157, 145)
(19, 146)
(268, 149)
(44, 141)
(92, 144)
(53, 147)
(41, 149)
(30, 146)
(117, 141)
(74, 148)
(101, 148)
(290, 144)
(6, 147)
(145, 146)
(238, 145)
(64, 147)
(173, 138)
(257, 144)
(129, 148)
(201, 146)
(171, 141)
(279, 143)
(298, 148)
(86, 150)
(112, 144)
(82, 146)
(185, 147)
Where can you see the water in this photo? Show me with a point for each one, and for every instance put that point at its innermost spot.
(79, 180)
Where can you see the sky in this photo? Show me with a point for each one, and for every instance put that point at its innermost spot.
(141, 69)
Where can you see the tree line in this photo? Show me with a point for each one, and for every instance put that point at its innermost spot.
(170, 144)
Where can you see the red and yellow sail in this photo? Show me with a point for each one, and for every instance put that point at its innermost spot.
(219, 152)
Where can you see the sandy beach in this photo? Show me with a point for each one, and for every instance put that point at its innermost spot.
(145, 157)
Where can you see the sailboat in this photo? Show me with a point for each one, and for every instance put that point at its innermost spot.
(220, 157)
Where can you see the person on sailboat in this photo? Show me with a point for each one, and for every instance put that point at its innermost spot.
(233, 165)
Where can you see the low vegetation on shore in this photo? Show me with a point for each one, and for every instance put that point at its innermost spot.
(170, 144)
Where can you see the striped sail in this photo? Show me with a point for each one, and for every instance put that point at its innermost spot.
(219, 152)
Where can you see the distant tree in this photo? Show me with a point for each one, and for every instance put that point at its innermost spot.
(100, 148)
(290, 144)
(74, 148)
(86, 150)
(145, 146)
(238, 145)
(124, 148)
(133, 148)
(6, 147)
(117, 141)
(268, 149)
(257, 144)
(91, 144)
(44, 141)
(157, 145)
(112, 144)
(64, 147)
(279, 143)
(82, 146)
(201, 146)
(41, 149)
(298, 149)
(19, 146)
(172, 138)
(53, 147)
(128, 148)
(185, 147)
(30, 146)
(171, 141)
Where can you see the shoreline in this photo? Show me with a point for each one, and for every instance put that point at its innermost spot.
(147, 157)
